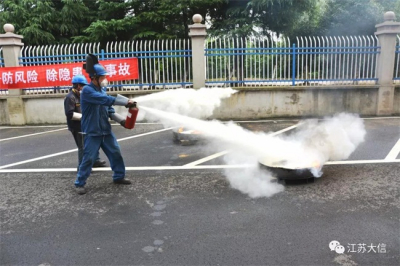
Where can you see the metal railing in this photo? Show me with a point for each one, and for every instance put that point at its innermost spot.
(396, 76)
(250, 62)
(337, 60)
(55, 54)
(247, 61)
(163, 64)
(278, 62)
(1, 57)
(2, 92)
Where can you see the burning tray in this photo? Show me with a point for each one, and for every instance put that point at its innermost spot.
(286, 172)
(186, 136)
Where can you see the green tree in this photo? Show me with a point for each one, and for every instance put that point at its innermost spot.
(46, 21)
(112, 20)
(390, 5)
(354, 17)
(74, 17)
(151, 19)
(241, 18)
(64, 21)
(245, 18)
(24, 15)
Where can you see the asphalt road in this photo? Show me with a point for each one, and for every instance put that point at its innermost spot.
(177, 216)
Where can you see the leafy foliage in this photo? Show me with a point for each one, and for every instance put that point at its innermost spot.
(46, 21)
(65, 21)
(260, 17)
(350, 17)
(151, 19)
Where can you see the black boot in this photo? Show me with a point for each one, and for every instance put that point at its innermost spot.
(80, 190)
(99, 163)
(122, 181)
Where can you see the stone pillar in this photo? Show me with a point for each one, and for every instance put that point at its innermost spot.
(198, 33)
(11, 44)
(386, 32)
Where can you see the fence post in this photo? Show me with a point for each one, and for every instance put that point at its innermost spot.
(198, 34)
(386, 32)
(12, 44)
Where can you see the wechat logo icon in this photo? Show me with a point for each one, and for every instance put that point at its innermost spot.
(335, 246)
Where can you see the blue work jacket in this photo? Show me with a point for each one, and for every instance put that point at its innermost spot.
(96, 108)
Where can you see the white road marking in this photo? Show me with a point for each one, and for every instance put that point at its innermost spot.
(265, 121)
(12, 127)
(237, 121)
(362, 162)
(386, 117)
(208, 158)
(284, 130)
(198, 167)
(113, 124)
(394, 152)
(216, 155)
(291, 120)
(34, 134)
(73, 150)
(145, 134)
(37, 159)
(390, 158)
(138, 168)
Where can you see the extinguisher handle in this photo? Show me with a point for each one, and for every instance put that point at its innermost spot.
(131, 105)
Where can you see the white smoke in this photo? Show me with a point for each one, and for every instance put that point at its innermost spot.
(335, 138)
(310, 146)
(251, 180)
(189, 102)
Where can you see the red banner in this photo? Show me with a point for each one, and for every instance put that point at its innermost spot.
(26, 77)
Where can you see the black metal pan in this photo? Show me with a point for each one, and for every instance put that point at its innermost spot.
(284, 172)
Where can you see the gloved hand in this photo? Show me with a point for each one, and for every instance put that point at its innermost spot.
(122, 123)
(130, 104)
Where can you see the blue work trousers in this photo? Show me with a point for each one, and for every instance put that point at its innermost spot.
(79, 140)
(109, 144)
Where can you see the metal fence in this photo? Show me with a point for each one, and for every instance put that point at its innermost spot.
(247, 62)
(397, 62)
(277, 62)
(250, 62)
(2, 92)
(1, 58)
(163, 63)
(55, 54)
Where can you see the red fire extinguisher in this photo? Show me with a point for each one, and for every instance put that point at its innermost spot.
(131, 117)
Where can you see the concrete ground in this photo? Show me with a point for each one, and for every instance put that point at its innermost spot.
(180, 209)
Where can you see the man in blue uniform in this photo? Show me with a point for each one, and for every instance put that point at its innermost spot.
(97, 108)
(72, 108)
